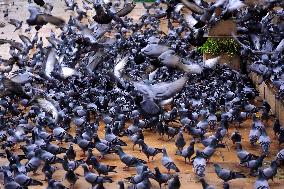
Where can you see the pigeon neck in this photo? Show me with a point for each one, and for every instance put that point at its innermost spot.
(7, 179)
(121, 185)
(120, 152)
(204, 184)
(86, 170)
(217, 168)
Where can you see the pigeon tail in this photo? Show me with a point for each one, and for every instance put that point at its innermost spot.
(36, 183)
(238, 175)
(150, 107)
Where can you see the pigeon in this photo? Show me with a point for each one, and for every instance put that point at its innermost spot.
(103, 148)
(33, 164)
(55, 184)
(71, 165)
(9, 182)
(199, 164)
(167, 162)
(169, 59)
(187, 152)
(254, 136)
(209, 150)
(243, 155)
(154, 50)
(280, 155)
(127, 8)
(193, 7)
(138, 178)
(271, 171)
(47, 156)
(71, 177)
(113, 139)
(264, 141)
(39, 19)
(236, 137)
(48, 106)
(18, 24)
(54, 149)
(128, 160)
(158, 91)
(102, 168)
(93, 179)
(227, 175)
(136, 137)
(261, 182)
(71, 153)
(24, 180)
(105, 16)
(12, 88)
(171, 131)
(83, 143)
(149, 151)
(39, 2)
(174, 183)
(161, 178)
(254, 165)
(276, 127)
(205, 185)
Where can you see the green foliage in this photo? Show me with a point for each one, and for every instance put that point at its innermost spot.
(219, 46)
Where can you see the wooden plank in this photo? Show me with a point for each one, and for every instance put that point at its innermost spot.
(223, 28)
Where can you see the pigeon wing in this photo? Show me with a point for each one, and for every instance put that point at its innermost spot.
(168, 90)
(53, 20)
(126, 9)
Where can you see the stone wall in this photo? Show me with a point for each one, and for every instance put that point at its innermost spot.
(267, 92)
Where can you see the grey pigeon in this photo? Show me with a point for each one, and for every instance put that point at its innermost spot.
(102, 168)
(180, 142)
(154, 50)
(168, 163)
(149, 151)
(243, 155)
(205, 185)
(271, 171)
(94, 179)
(160, 91)
(174, 183)
(226, 174)
(40, 19)
(24, 180)
(187, 152)
(18, 24)
(199, 164)
(261, 182)
(128, 160)
(9, 182)
(254, 165)
(161, 178)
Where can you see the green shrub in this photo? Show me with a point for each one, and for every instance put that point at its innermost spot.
(220, 45)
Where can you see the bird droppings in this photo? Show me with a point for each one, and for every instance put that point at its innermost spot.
(106, 95)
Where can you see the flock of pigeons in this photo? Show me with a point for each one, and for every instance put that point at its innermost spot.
(139, 80)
